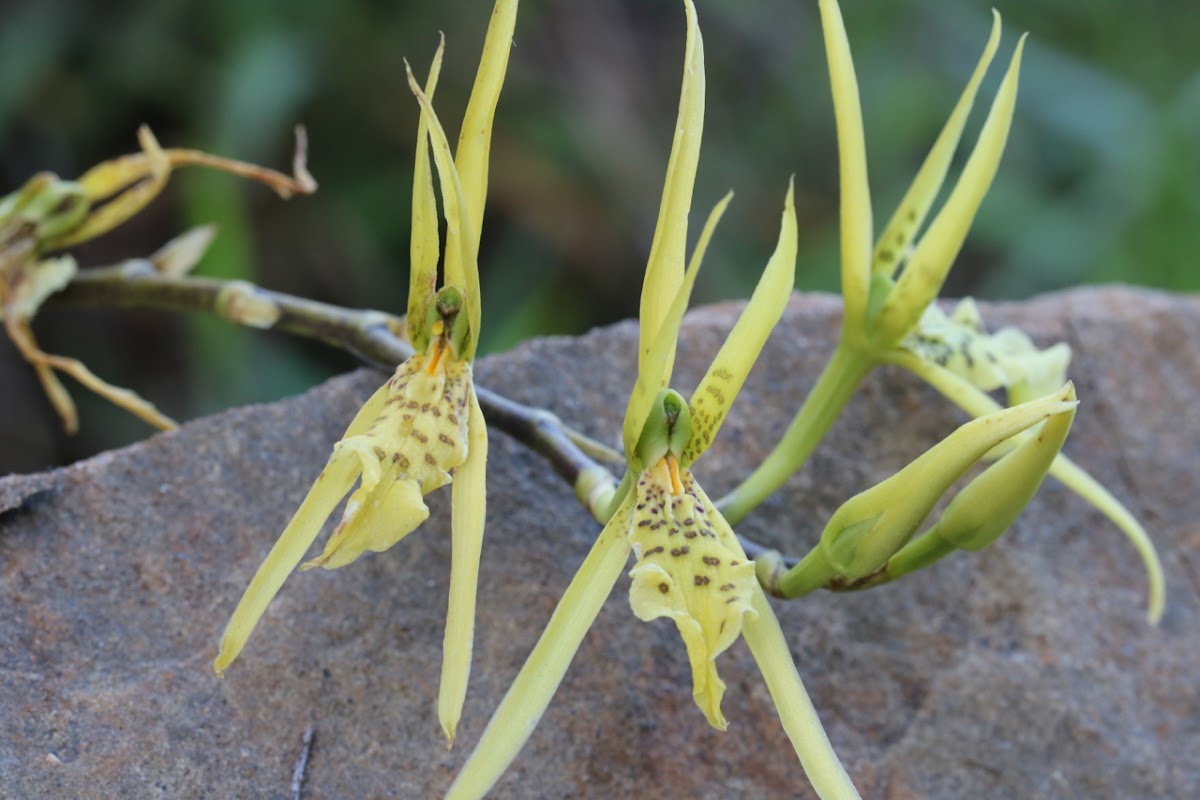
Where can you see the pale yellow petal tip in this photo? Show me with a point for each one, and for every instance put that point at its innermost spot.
(1157, 590)
(449, 728)
(708, 697)
(225, 657)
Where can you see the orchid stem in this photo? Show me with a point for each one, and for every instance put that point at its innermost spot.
(373, 336)
(843, 373)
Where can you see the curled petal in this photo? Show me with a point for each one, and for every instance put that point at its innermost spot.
(377, 517)
(1005, 359)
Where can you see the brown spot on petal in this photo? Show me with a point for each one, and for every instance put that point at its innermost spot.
(700, 580)
(664, 588)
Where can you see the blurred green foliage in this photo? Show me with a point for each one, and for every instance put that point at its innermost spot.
(1101, 180)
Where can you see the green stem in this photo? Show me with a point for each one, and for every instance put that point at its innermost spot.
(842, 374)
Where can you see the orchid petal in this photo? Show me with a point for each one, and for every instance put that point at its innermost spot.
(474, 143)
(720, 386)
(425, 244)
(692, 569)
(460, 263)
(926, 269)
(655, 371)
(668, 251)
(910, 214)
(128, 183)
(856, 230)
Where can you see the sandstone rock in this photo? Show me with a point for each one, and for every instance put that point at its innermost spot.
(1023, 671)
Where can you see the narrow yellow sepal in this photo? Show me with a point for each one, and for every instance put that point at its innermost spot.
(475, 138)
(770, 649)
(459, 253)
(331, 486)
(336, 479)
(668, 251)
(425, 244)
(910, 214)
(471, 161)
(926, 268)
(715, 394)
(654, 373)
(534, 686)
(856, 226)
(469, 508)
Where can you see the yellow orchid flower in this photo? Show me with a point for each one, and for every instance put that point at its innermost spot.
(689, 565)
(49, 214)
(889, 285)
(424, 424)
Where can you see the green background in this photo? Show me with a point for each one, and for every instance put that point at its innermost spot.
(1100, 181)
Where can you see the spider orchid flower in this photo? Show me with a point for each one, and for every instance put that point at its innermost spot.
(425, 422)
(48, 214)
(890, 283)
(689, 565)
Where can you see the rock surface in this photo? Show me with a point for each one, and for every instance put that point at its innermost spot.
(1024, 671)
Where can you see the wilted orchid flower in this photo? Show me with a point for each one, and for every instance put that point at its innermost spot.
(424, 423)
(889, 285)
(689, 565)
(49, 214)
(1006, 359)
